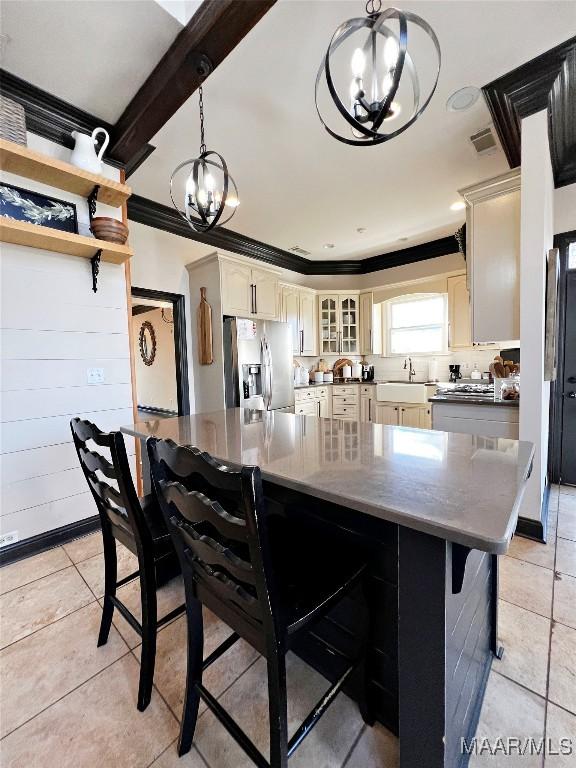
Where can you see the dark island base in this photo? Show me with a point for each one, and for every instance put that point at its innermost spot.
(433, 630)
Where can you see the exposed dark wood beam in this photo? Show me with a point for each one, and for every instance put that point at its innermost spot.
(214, 31)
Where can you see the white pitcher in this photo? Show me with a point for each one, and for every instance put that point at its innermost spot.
(84, 155)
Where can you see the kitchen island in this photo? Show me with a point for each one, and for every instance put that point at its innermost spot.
(431, 510)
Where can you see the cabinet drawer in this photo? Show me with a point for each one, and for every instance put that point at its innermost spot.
(301, 395)
(345, 410)
(367, 390)
(340, 401)
(321, 393)
(345, 389)
(307, 409)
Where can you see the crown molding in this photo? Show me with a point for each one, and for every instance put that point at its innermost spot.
(55, 119)
(542, 83)
(164, 217)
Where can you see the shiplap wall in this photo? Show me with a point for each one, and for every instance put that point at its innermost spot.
(53, 328)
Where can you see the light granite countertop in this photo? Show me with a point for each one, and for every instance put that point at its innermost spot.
(462, 488)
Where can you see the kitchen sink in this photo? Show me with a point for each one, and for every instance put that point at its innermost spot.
(404, 392)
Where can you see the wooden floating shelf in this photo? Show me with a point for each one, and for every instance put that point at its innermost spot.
(14, 158)
(33, 236)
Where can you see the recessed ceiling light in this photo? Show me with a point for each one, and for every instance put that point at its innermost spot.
(463, 99)
(402, 239)
(328, 245)
(360, 230)
(459, 205)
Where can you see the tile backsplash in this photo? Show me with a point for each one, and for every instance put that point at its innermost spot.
(393, 367)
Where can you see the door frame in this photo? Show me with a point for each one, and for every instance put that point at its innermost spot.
(561, 241)
(178, 302)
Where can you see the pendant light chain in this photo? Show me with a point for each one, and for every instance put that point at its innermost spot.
(373, 7)
(201, 105)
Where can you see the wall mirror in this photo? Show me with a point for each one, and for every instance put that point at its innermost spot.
(147, 342)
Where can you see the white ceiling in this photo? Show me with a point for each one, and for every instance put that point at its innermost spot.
(95, 54)
(297, 185)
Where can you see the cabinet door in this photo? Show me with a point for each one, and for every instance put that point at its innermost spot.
(265, 294)
(460, 321)
(496, 268)
(370, 325)
(349, 325)
(290, 313)
(409, 417)
(386, 414)
(365, 409)
(236, 289)
(308, 323)
(324, 408)
(329, 327)
(425, 421)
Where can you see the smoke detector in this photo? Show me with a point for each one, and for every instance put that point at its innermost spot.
(463, 99)
(484, 141)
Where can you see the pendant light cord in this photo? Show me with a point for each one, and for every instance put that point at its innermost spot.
(201, 105)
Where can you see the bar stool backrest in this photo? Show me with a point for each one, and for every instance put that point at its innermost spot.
(118, 505)
(218, 522)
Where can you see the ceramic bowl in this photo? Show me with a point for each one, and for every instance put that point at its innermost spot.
(108, 229)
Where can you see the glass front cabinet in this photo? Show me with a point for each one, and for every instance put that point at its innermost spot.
(339, 324)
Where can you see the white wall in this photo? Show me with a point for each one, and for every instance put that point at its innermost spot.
(156, 383)
(565, 209)
(53, 328)
(537, 227)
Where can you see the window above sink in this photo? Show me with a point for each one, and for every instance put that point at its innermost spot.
(417, 325)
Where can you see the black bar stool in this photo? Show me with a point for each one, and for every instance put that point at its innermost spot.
(238, 560)
(139, 525)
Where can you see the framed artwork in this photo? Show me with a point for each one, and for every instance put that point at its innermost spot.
(551, 326)
(35, 208)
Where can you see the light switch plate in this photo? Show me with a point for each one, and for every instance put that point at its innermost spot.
(9, 538)
(95, 375)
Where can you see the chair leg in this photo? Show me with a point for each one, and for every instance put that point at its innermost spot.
(110, 579)
(149, 628)
(195, 657)
(277, 706)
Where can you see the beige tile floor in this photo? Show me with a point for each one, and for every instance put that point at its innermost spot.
(63, 702)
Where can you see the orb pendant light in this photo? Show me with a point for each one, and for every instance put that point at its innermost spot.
(210, 192)
(373, 59)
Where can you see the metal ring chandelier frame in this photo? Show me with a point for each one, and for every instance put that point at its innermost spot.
(206, 218)
(375, 22)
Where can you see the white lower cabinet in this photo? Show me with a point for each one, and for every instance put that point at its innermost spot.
(313, 401)
(307, 408)
(401, 414)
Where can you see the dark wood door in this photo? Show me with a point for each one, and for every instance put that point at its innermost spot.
(568, 381)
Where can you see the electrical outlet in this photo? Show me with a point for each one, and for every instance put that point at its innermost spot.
(9, 538)
(95, 375)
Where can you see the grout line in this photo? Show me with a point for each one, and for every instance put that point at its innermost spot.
(544, 567)
(526, 609)
(550, 637)
(354, 745)
(64, 695)
(33, 581)
(518, 683)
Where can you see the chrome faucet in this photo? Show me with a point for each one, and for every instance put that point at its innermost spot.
(411, 371)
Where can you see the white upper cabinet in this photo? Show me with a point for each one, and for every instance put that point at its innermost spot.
(370, 325)
(265, 287)
(339, 316)
(298, 308)
(236, 289)
(459, 319)
(248, 292)
(493, 257)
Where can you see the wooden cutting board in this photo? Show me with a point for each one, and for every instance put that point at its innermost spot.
(204, 316)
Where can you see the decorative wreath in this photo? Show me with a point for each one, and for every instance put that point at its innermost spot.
(147, 355)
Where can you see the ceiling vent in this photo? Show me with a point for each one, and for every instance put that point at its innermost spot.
(299, 251)
(484, 141)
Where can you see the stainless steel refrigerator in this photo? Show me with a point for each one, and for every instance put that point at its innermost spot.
(258, 366)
